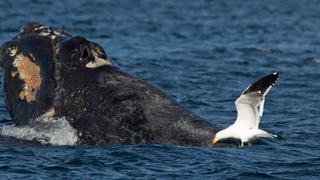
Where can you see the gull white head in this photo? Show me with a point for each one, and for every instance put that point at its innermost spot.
(249, 106)
(224, 134)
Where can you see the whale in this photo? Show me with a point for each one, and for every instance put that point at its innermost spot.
(50, 73)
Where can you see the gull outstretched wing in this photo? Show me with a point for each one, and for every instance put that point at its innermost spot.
(251, 102)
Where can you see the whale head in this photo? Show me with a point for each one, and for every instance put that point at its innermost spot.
(33, 63)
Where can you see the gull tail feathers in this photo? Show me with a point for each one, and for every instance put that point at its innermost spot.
(264, 134)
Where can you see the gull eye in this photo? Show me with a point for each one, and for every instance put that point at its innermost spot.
(85, 53)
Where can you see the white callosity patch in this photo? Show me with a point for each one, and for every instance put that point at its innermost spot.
(54, 131)
(58, 33)
(48, 32)
(98, 62)
(45, 33)
(12, 51)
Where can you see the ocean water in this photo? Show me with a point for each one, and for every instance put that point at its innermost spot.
(202, 53)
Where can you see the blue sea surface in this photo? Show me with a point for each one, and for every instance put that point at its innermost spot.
(204, 54)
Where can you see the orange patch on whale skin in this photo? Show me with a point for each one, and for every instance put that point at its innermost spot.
(50, 113)
(29, 72)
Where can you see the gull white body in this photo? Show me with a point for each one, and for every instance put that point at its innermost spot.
(250, 109)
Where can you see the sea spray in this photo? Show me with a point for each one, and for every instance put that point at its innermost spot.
(54, 131)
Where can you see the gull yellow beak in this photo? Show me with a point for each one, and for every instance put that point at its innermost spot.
(213, 140)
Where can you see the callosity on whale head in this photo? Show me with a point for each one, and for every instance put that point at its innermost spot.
(48, 72)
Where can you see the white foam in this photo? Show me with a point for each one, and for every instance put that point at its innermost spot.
(54, 131)
(316, 60)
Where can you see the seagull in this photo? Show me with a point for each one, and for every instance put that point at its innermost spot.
(249, 106)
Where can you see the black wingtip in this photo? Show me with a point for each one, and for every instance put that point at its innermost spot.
(263, 83)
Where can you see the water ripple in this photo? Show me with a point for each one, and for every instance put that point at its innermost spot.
(203, 53)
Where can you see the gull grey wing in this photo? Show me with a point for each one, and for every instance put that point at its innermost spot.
(250, 104)
(263, 85)
(248, 110)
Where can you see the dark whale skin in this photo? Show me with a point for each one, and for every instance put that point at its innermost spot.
(111, 107)
(21, 111)
(104, 104)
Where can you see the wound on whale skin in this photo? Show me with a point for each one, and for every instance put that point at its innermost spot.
(48, 72)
